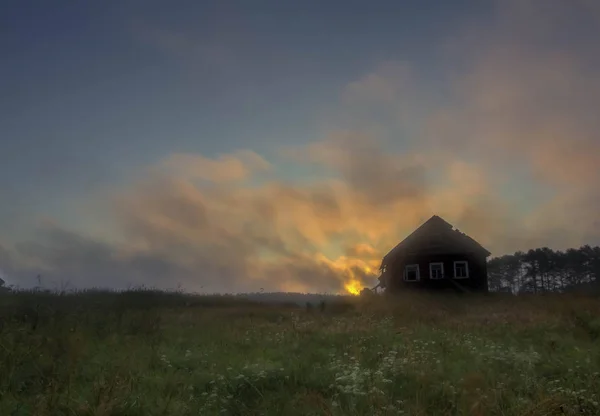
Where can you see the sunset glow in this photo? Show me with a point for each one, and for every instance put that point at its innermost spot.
(353, 287)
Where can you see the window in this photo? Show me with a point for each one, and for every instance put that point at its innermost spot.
(411, 272)
(436, 270)
(461, 269)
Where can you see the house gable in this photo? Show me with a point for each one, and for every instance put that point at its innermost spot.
(436, 236)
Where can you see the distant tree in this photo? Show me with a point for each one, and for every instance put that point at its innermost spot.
(499, 276)
(545, 270)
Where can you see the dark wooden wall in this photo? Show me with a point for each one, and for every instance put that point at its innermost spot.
(477, 280)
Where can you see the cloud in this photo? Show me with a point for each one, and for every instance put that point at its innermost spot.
(388, 85)
(234, 167)
(524, 107)
(527, 109)
(373, 175)
(509, 153)
(230, 235)
(273, 228)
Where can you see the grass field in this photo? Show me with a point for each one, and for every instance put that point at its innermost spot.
(147, 353)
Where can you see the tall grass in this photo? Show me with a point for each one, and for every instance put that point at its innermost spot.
(147, 352)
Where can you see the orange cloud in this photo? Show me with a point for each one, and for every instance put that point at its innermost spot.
(328, 235)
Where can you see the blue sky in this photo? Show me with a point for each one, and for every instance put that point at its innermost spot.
(95, 93)
(90, 88)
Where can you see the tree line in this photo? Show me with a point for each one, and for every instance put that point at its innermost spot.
(545, 270)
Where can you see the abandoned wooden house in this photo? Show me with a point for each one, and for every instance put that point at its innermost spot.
(436, 256)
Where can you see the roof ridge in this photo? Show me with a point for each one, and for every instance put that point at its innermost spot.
(436, 219)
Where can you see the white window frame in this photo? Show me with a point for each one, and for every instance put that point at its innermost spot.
(418, 272)
(466, 263)
(436, 263)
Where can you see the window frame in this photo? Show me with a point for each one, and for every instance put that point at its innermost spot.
(436, 263)
(466, 263)
(406, 270)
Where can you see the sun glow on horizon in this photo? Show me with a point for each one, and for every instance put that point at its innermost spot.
(356, 272)
(353, 287)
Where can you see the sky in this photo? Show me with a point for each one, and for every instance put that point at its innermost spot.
(224, 146)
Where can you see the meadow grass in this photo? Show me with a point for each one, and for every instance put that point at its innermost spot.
(152, 353)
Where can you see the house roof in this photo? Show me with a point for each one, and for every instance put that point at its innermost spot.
(445, 229)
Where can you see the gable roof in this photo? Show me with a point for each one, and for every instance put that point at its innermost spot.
(438, 226)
